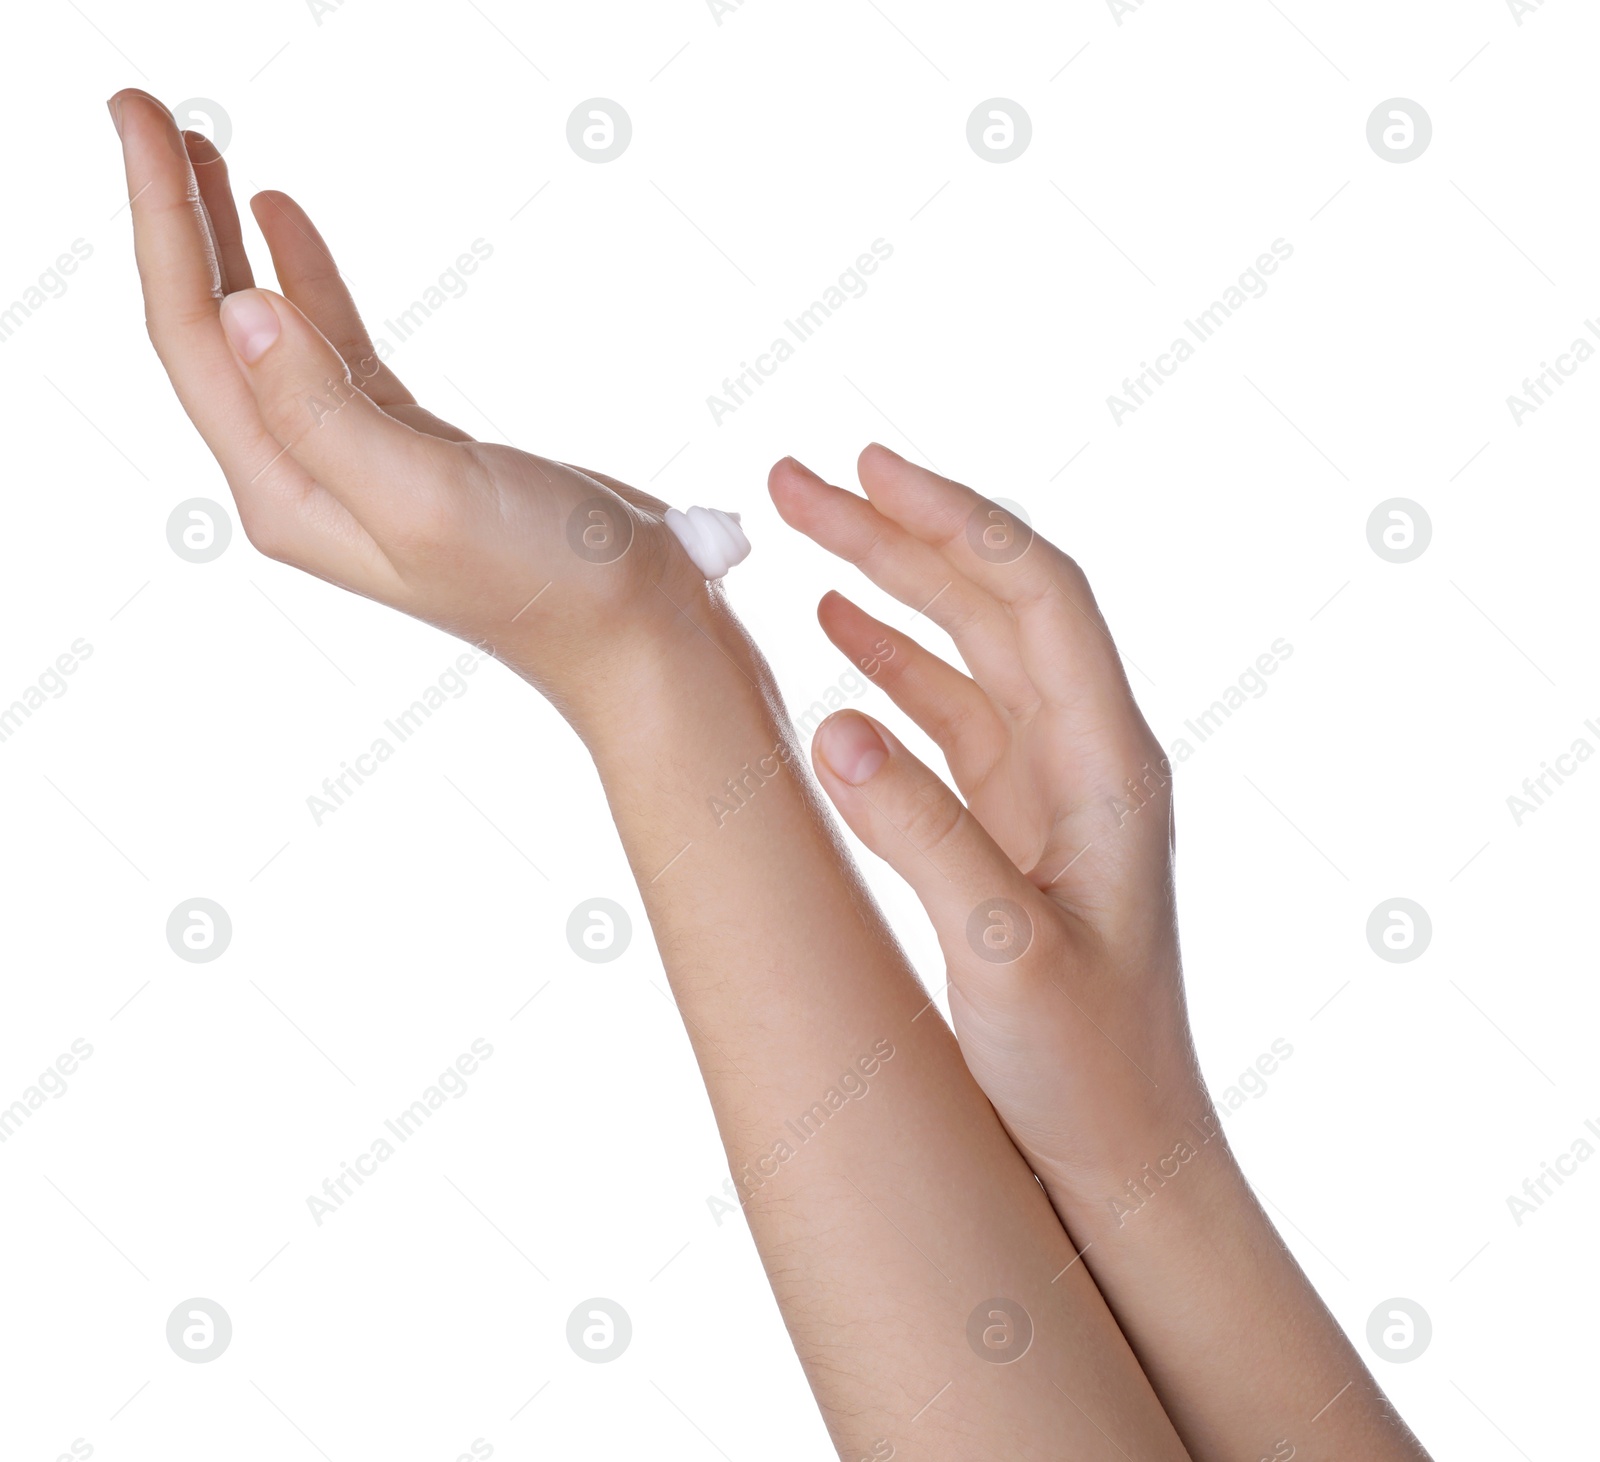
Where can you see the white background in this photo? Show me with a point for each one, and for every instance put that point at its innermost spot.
(768, 152)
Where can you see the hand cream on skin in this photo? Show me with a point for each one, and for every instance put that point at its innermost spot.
(711, 537)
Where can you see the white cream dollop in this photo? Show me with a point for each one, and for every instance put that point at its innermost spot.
(711, 537)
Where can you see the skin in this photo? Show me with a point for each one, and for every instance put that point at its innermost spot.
(906, 1210)
(1075, 1025)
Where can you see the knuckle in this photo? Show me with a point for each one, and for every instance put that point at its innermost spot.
(307, 404)
(868, 549)
(930, 816)
(267, 534)
(957, 613)
(1067, 575)
(426, 520)
(423, 528)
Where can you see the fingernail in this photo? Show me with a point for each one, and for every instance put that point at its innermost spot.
(115, 109)
(851, 746)
(250, 323)
(800, 466)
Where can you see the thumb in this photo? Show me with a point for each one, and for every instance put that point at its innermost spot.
(379, 468)
(984, 910)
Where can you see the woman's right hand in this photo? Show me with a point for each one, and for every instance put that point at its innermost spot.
(1050, 886)
(566, 575)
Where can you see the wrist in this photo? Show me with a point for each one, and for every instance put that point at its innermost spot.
(690, 665)
(1122, 1130)
(1170, 1170)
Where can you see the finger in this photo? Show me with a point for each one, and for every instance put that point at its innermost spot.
(980, 903)
(177, 265)
(947, 515)
(1047, 592)
(311, 281)
(913, 573)
(310, 278)
(287, 516)
(393, 479)
(938, 697)
(216, 196)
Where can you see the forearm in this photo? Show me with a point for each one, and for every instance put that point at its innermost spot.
(884, 1196)
(1243, 1353)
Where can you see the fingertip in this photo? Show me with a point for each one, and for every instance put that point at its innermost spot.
(837, 613)
(790, 472)
(778, 472)
(875, 454)
(850, 745)
(269, 198)
(832, 610)
(272, 209)
(201, 149)
(122, 106)
(128, 93)
(139, 117)
(785, 482)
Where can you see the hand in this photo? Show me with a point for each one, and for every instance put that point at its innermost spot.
(336, 469)
(1051, 889)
